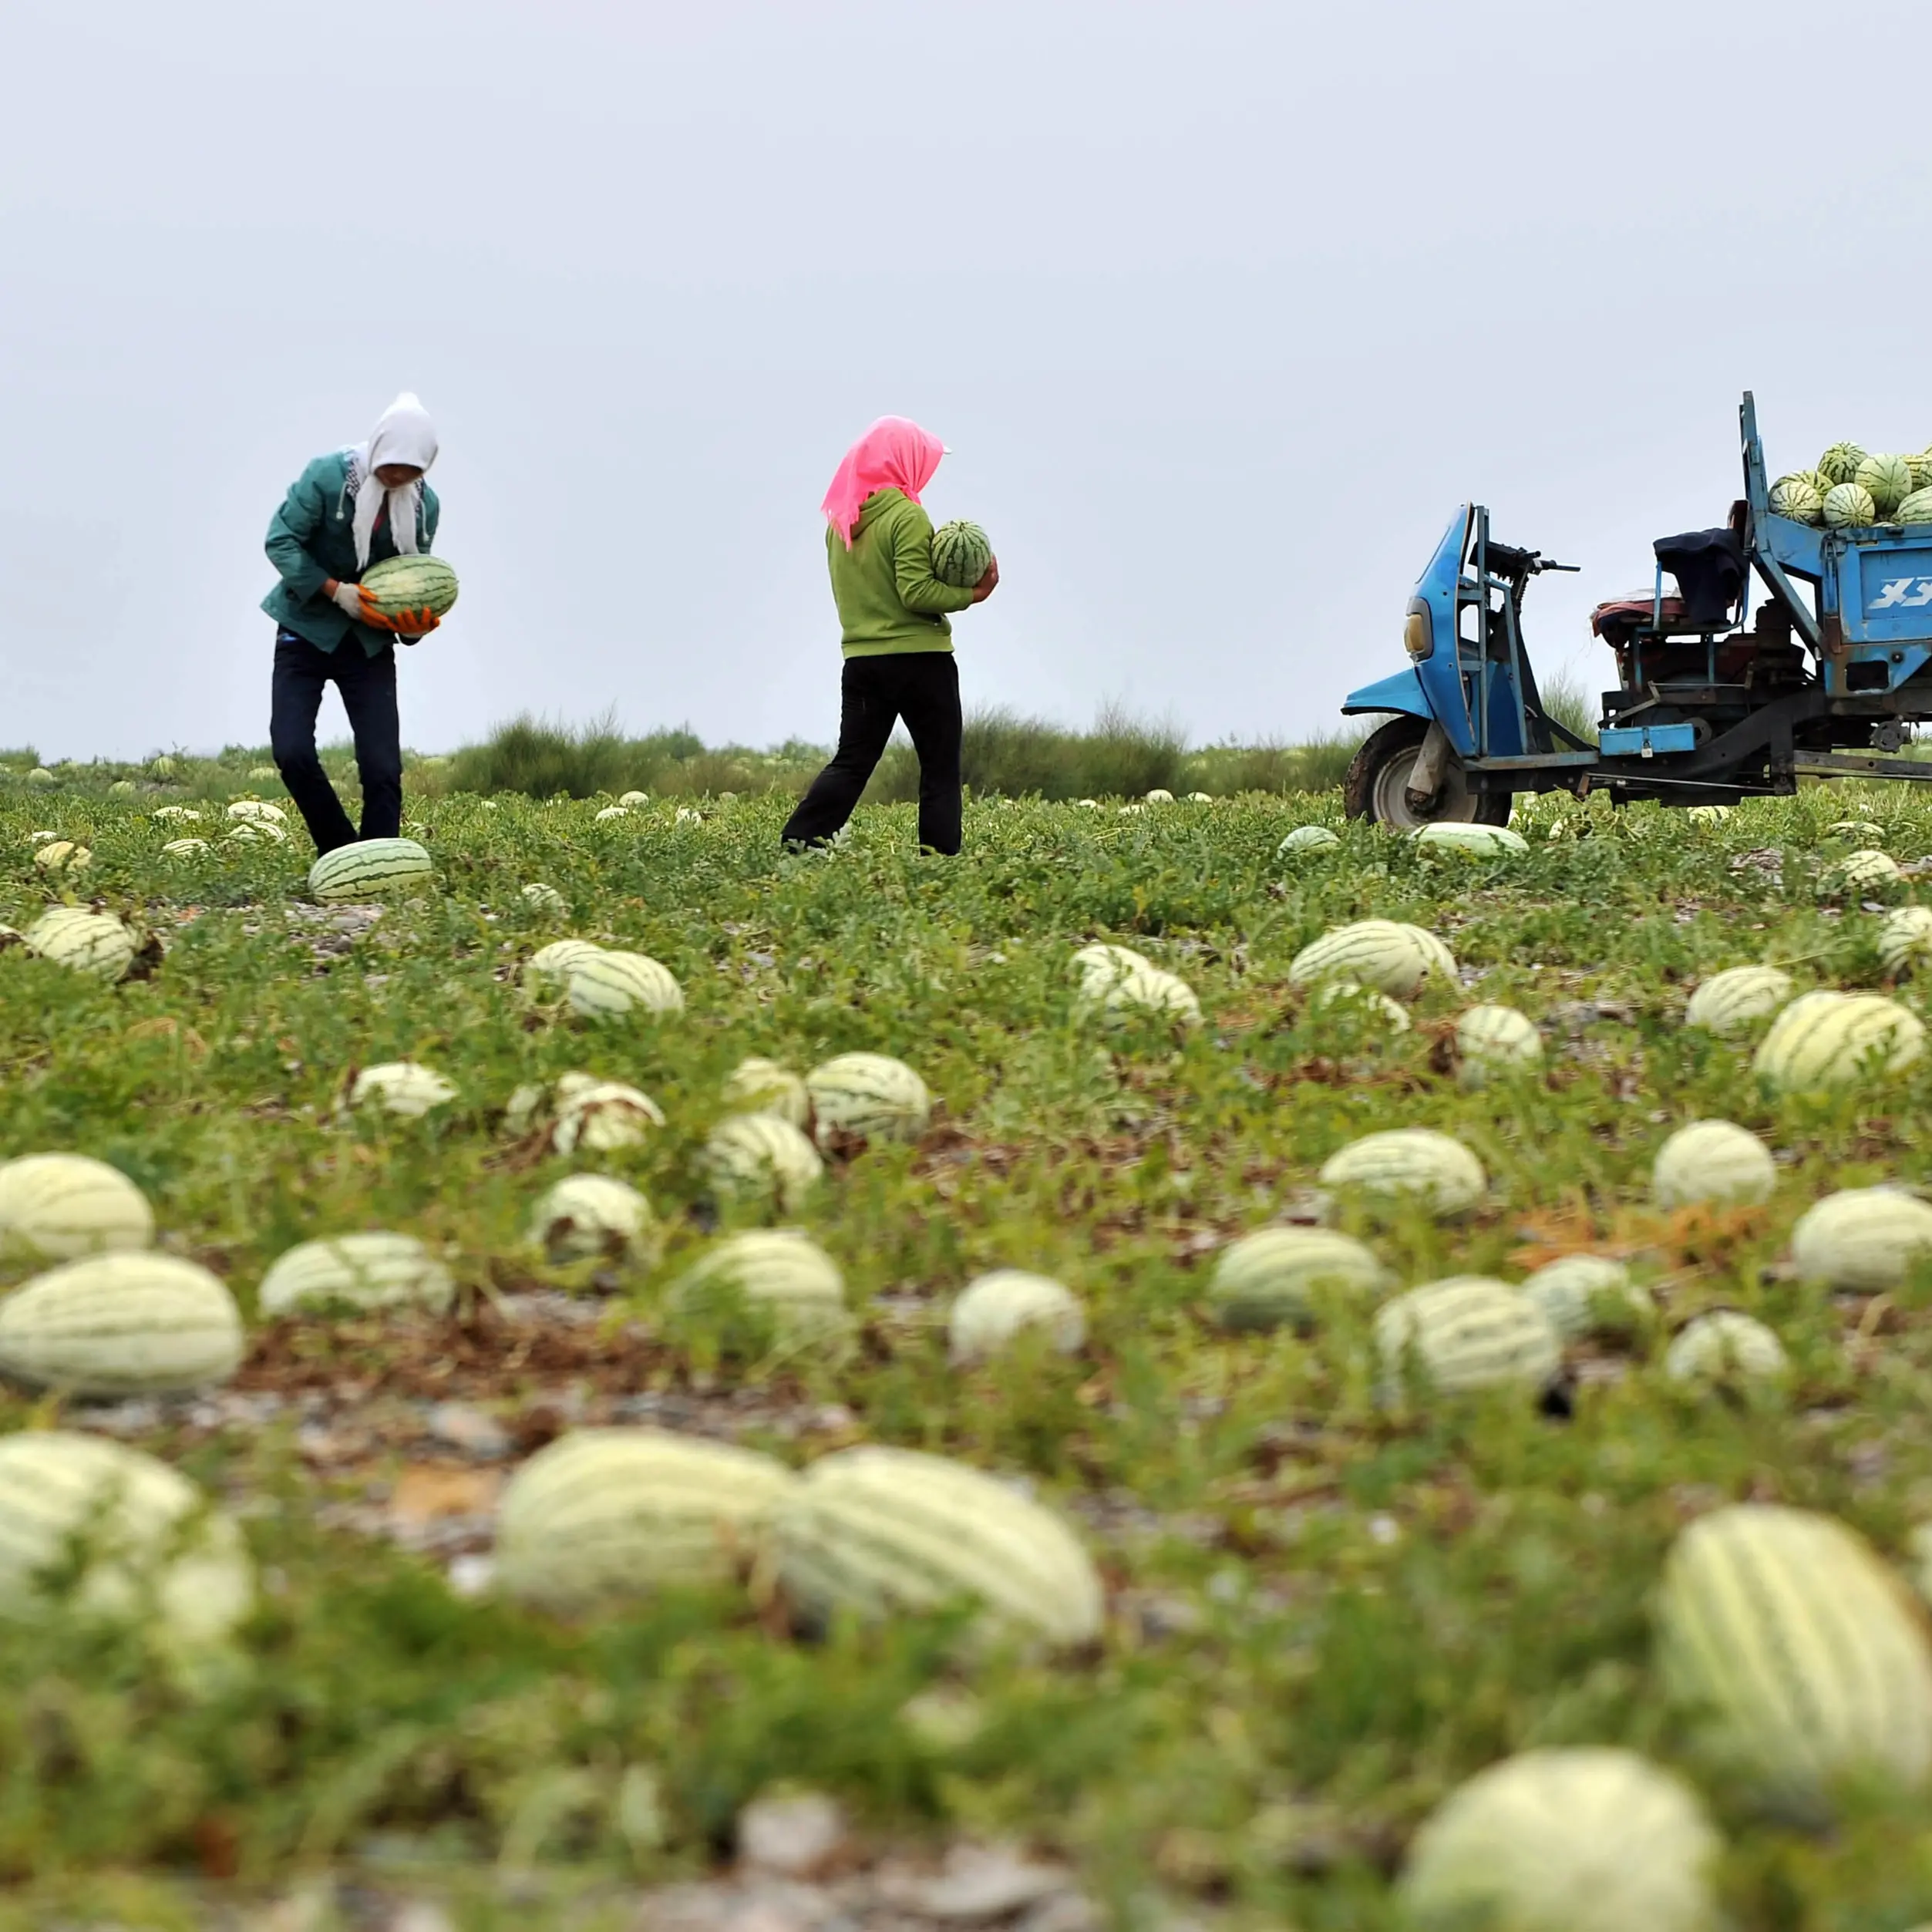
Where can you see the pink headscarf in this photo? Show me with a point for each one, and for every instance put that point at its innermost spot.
(895, 453)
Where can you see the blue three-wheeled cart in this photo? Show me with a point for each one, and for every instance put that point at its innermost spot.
(1716, 700)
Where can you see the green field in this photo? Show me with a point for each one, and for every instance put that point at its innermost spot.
(1325, 1611)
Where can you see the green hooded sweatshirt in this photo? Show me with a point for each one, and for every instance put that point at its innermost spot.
(889, 601)
(312, 538)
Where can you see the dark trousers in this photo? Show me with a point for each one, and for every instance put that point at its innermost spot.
(922, 687)
(368, 685)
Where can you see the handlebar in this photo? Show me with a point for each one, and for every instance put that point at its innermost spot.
(1507, 561)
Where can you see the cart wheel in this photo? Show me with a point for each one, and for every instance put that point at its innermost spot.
(1376, 785)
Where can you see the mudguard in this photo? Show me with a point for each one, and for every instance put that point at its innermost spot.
(1402, 692)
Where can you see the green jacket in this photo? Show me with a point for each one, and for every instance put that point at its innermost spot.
(889, 601)
(311, 538)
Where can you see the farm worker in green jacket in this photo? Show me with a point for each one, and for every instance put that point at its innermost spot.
(897, 643)
(347, 510)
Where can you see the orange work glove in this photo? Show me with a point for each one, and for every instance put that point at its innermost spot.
(405, 624)
(409, 625)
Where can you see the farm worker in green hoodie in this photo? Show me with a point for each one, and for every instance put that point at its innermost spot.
(347, 510)
(898, 644)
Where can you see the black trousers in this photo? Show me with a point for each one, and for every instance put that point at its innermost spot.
(922, 687)
(368, 685)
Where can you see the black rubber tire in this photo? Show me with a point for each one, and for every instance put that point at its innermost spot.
(1370, 777)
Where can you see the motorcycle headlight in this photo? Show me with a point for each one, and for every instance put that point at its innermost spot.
(1418, 633)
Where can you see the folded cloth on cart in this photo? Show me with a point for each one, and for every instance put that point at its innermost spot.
(1614, 619)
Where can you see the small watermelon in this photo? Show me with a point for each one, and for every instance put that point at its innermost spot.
(1849, 506)
(405, 587)
(961, 553)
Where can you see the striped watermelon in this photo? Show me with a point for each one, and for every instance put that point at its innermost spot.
(1392, 956)
(871, 1531)
(1731, 999)
(602, 1115)
(62, 855)
(121, 1324)
(590, 1214)
(1724, 1349)
(1828, 1039)
(1839, 463)
(256, 832)
(870, 1095)
(1798, 1649)
(1917, 508)
(542, 899)
(1463, 1335)
(85, 942)
(1101, 964)
(1864, 871)
(370, 869)
(155, 1554)
(258, 812)
(605, 1516)
(611, 985)
(401, 1087)
(762, 1086)
(961, 553)
(994, 1310)
(1148, 993)
(1306, 838)
(1493, 1040)
(1887, 479)
(184, 848)
(1862, 1240)
(356, 1272)
(1414, 1165)
(403, 588)
(1362, 1006)
(1282, 1277)
(1471, 841)
(58, 1207)
(1587, 1840)
(760, 1155)
(1849, 506)
(1905, 939)
(548, 971)
(779, 1272)
(1797, 497)
(1713, 1160)
(1589, 1295)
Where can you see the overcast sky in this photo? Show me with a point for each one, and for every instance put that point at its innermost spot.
(1222, 308)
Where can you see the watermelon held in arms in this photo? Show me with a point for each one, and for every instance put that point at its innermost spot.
(961, 553)
(403, 588)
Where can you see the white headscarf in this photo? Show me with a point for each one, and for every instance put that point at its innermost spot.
(403, 433)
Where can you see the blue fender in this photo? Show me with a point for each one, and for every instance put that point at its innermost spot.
(1402, 692)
